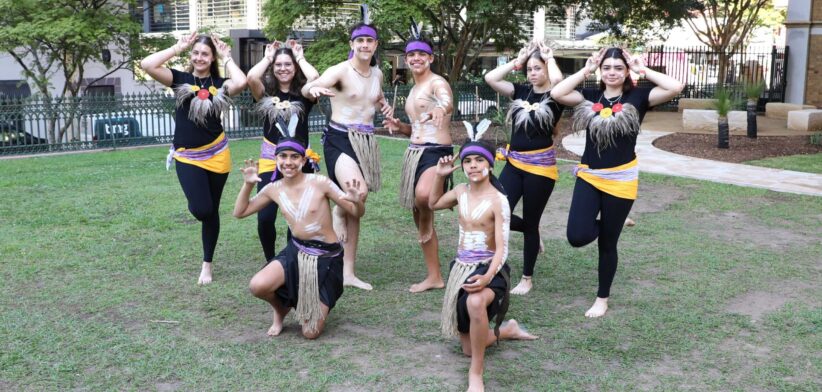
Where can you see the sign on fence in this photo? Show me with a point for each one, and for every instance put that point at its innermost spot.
(116, 128)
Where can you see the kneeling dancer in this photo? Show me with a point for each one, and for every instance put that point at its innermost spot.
(307, 274)
(477, 288)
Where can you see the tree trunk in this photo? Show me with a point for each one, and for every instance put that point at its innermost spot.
(723, 135)
(751, 118)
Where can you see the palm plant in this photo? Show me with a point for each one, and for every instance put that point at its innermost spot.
(723, 103)
(753, 91)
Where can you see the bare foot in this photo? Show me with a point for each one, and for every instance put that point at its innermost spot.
(276, 326)
(512, 331)
(475, 383)
(338, 222)
(351, 280)
(523, 287)
(598, 309)
(205, 274)
(427, 284)
(629, 222)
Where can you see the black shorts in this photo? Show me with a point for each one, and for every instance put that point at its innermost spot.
(336, 143)
(498, 285)
(329, 274)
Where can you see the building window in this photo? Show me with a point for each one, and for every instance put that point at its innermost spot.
(163, 15)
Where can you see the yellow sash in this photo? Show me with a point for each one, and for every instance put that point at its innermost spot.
(220, 163)
(622, 189)
(545, 171)
(267, 165)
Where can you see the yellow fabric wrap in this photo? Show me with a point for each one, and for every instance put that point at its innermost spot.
(545, 171)
(267, 165)
(622, 189)
(220, 163)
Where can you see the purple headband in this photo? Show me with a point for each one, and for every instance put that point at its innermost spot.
(476, 149)
(290, 145)
(364, 30)
(418, 45)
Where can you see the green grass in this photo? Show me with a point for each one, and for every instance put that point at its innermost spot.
(97, 247)
(810, 163)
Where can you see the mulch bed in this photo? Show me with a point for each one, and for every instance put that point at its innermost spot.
(741, 147)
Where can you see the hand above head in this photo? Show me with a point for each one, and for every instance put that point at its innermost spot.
(635, 63)
(249, 170)
(185, 42)
(445, 166)
(545, 51)
(592, 63)
(297, 49)
(269, 52)
(223, 50)
(522, 57)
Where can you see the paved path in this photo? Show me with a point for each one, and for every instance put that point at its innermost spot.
(654, 160)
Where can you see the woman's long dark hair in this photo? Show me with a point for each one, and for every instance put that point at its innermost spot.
(272, 85)
(616, 53)
(213, 69)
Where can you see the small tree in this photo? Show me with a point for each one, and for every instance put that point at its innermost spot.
(723, 103)
(753, 90)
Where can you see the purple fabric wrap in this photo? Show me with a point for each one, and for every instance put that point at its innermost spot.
(629, 174)
(474, 256)
(364, 128)
(268, 150)
(315, 251)
(545, 158)
(477, 150)
(204, 154)
(290, 145)
(364, 31)
(418, 45)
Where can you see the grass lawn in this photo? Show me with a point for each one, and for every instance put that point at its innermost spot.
(718, 289)
(810, 163)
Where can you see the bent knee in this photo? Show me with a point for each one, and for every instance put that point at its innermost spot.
(578, 239)
(311, 335)
(258, 287)
(475, 303)
(201, 213)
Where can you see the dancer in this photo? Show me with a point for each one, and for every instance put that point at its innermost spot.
(307, 273)
(607, 176)
(429, 107)
(531, 170)
(275, 83)
(200, 146)
(349, 146)
(478, 284)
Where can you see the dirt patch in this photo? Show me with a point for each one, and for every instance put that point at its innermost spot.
(757, 304)
(168, 386)
(742, 148)
(737, 227)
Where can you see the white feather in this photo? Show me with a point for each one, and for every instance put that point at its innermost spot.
(366, 16)
(281, 130)
(292, 125)
(469, 129)
(481, 128)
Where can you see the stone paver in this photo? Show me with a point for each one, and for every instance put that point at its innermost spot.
(654, 160)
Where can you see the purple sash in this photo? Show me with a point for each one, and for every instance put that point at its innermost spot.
(196, 155)
(544, 158)
(474, 256)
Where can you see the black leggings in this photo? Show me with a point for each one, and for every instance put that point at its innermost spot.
(516, 181)
(265, 221)
(203, 190)
(584, 227)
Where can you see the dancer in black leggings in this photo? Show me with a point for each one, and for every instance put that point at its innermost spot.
(275, 83)
(531, 169)
(200, 146)
(607, 176)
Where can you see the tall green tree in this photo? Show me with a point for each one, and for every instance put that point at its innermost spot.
(636, 21)
(459, 29)
(47, 37)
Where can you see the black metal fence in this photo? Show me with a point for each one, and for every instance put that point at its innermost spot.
(42, 124)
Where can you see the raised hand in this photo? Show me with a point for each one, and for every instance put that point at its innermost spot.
(592, 63)
(353, 191)
(185, 42)
(269, 52)
(391, 124)
(249, 170)
(445, 166)
(635, 63)
(223, 50)
(386, 109)
(435, 116)
(522, 57)
(297, 49)
(545, 51)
